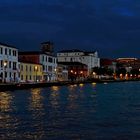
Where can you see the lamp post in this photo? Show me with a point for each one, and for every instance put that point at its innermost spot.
(4, 75)
(36, 68)
(55, 70)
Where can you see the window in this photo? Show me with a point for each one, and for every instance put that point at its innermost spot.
(30, 68)
(26, 77)
(42, 58)
(50, 60)
(43, 67)
(30, 77)
(21, 77)
(15, 53)
(50, 68)
(5, 51)
(22, 67)
(1, 50)
(46, 59)
(5, 74)
(14, 65)
(26, 68)
(9, 64)
(18, 74)
(9, 51)
(10, 74)
(1, 63)
(54, 60)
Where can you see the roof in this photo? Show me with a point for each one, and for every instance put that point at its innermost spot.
(71, 63)
(34, 53)
(3, 44)
(30, 53)
(73, 50)
(24, 61)
(76, 50)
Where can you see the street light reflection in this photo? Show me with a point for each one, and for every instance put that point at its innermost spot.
(7, 121)
(5, 102)
(55, 88)
(81, 85)
(36, 100)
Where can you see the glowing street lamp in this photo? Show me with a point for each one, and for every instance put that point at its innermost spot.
(81, 72)
(4, 64)
(94, 74)
(71, 71)
(55, 70)
(36, 68)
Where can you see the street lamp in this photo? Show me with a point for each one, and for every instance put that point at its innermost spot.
(4, 75)
(55, 70)
(36, 68)
(71, 71)
(94, 74)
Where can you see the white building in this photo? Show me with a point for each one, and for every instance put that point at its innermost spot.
(8, 63)
(45, 57)
(91, 59)
(49, 63)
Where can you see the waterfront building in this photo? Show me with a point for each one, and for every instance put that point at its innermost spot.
(131, 66)
(129, 63)
(30, 72)
(108, 63)
(90, 59)
(44, 57)
(76, 70)
(62, 72)
(9, 71)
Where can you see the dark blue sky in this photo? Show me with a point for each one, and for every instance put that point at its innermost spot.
(110, 26)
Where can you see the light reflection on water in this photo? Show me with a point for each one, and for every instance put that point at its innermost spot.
(7, 120)
(75, 112)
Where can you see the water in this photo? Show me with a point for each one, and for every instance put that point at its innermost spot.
(79, 112)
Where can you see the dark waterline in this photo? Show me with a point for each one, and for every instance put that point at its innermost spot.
(78, 112)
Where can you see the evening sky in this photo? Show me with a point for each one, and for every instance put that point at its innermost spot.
(112, 27)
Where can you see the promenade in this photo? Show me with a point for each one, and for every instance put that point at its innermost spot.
(21, 86)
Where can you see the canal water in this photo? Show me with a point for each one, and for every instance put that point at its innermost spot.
(77, 112)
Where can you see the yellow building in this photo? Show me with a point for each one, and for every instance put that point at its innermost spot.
(30, 72)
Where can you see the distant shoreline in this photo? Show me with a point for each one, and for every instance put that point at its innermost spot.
(22, 86)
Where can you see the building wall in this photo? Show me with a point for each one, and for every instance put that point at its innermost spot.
(90, 59)
(49, 64)
(8, 64)
(62, 73)
(30, 72)
(29, 58)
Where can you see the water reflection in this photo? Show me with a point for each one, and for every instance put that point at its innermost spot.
(5, 102)
(37, 111)
(36, 100)
(72, 97)
(7, 119)
(81, 85)
(54, 97)
(94, 88)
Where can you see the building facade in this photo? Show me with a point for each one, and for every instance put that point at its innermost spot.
(62, 72)
(48, 62)
(30, 72)
(90, 59)
(9, 71)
